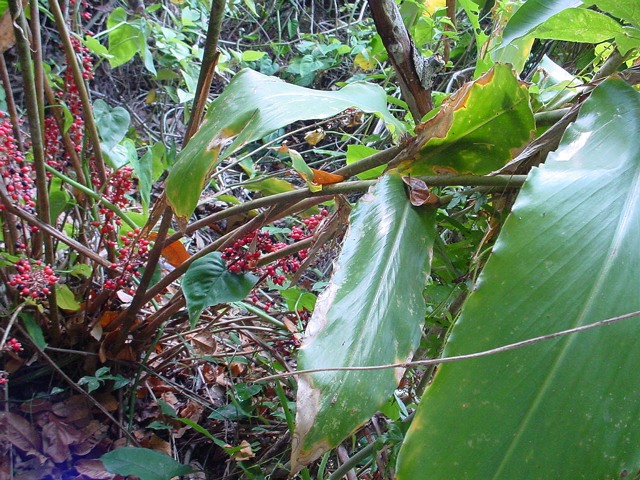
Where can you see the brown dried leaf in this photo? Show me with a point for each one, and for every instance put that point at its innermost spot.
(36, 405)
(20, 433)
(245, 453)
(72, 409)
(204, 343)
(169, 398)
(237, 369)
(154, 442)
(419, 193)
(175, 253)
(290, 325)
(108, 401)
(7, 38)
(93, 469)
(192, 411)
(92, 434)
(325, 178)
(56, 438)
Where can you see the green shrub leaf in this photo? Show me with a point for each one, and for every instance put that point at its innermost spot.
(252, 106)
(207, 282)
(144, 463)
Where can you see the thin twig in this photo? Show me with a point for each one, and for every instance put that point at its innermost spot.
(457, 358)
(33, 220)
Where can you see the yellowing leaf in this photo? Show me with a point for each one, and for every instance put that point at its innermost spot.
(431, 6)
(366, 63)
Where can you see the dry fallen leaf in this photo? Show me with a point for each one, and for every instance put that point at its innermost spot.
(245, 453)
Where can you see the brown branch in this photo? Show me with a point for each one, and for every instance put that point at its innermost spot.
(209, 62)
(451, 13)
(415, 73)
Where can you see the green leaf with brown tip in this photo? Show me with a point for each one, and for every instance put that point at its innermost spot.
(477, 130)
(252, 106)
(370, 314)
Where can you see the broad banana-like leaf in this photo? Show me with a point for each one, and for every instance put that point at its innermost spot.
(531, 14)
(252, 106)
(626, 10)
(568, 255)
(370, 314)
(477, 130)
(579, 25)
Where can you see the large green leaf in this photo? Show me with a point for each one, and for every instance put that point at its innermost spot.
(252, 106)
(207, 282)
(370, 314)
(143, 463)
(476, 130)
(579, 25)
(126, 37)
(627, 10)
(568, 256)
(532, 14)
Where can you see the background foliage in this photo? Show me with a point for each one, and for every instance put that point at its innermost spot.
(239, 237)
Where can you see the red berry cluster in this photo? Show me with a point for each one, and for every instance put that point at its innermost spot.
(86, 14)
(33, 280)
(16, 173)
(14, 345)
(131, 257)
(118, 185)
(3, 377)
(244, 254)
(57, 156)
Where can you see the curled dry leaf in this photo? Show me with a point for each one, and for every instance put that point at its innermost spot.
(93, 469)
(204, 343)
(245, 453)
(314, 137)
(419, 193)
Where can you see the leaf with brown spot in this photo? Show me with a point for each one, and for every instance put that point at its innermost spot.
(477, 130)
